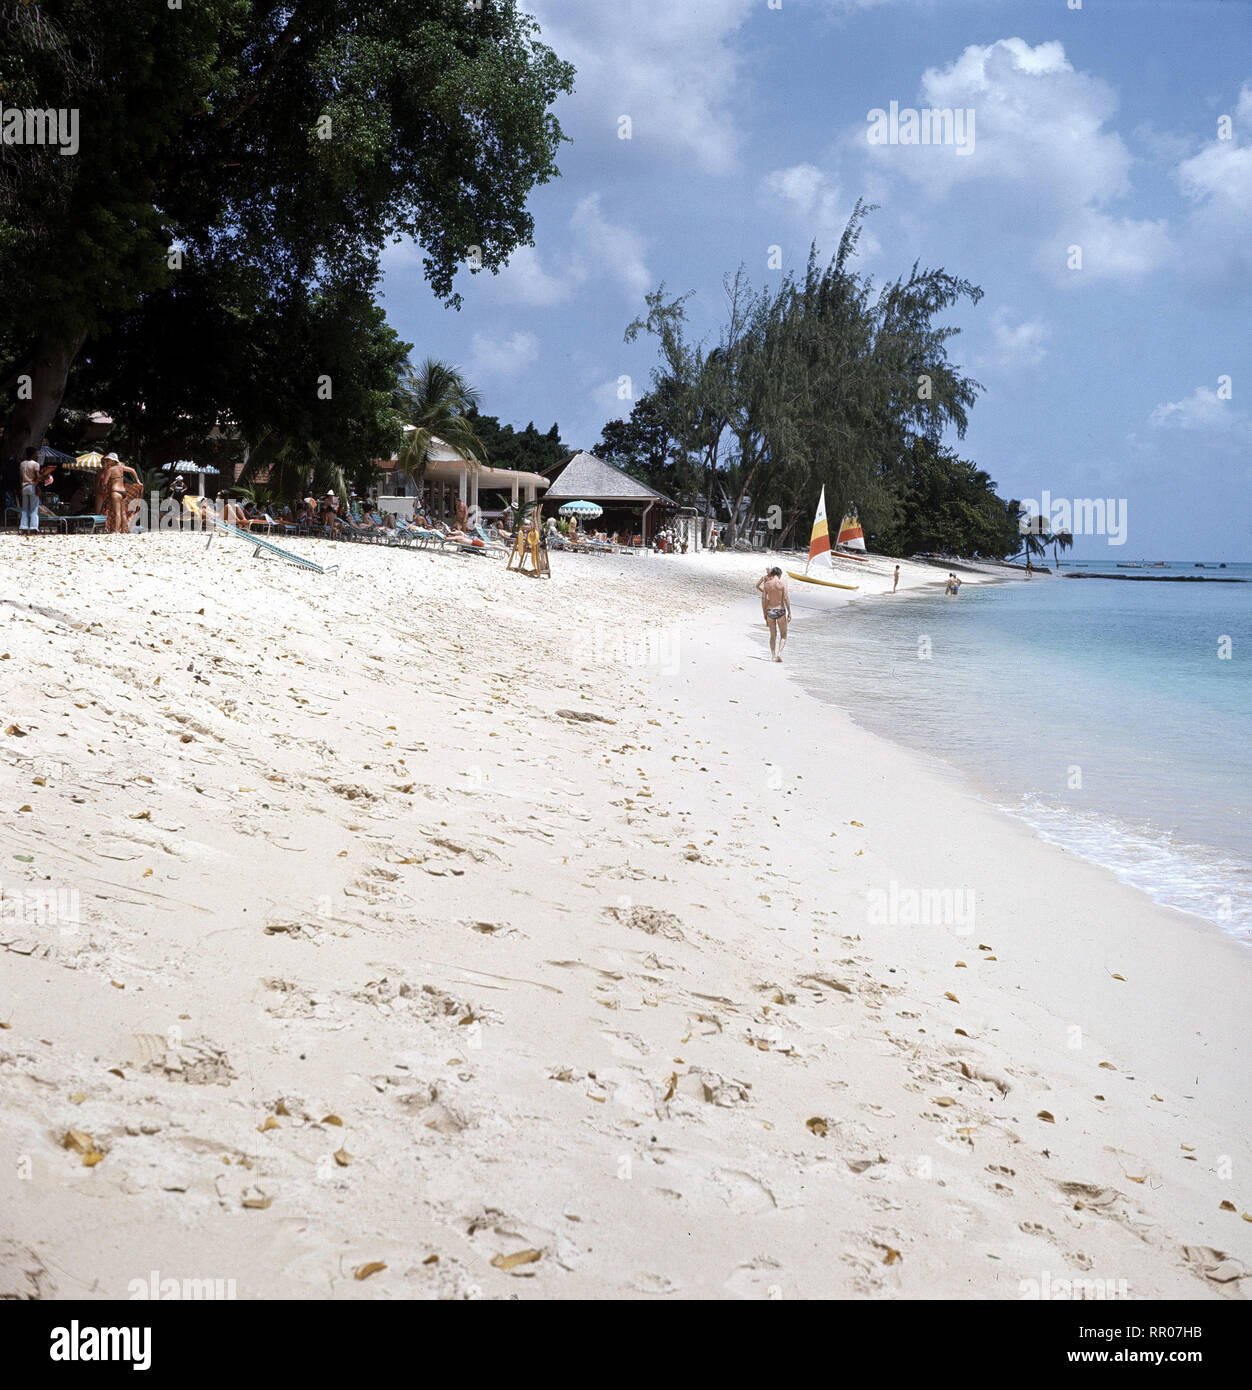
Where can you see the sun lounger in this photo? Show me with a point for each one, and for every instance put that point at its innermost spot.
(267, 548)
(488, 542)
(97, 522)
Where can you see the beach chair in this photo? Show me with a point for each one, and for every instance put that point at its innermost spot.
(265, 549)
(96, 523)
(410, 536)
(348, 530)
(488, 542)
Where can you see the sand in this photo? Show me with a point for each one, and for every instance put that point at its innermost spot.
(425, 931)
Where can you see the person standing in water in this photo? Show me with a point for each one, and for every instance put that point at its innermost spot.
(776, 605)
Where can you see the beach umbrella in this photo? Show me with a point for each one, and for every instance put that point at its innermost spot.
(87, 463)
(185, 466)
(588, 509)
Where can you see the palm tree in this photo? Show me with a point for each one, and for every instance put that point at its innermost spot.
(1035, 535)
(436, 398)
(1063, 540)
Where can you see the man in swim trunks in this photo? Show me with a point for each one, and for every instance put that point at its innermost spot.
(776, 606)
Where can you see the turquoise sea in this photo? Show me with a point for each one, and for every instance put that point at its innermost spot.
(1113, 717)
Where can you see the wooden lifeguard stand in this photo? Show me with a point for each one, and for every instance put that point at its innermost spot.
(529, 551)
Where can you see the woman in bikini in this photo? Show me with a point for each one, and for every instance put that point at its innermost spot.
(113, 490)
(776, 606)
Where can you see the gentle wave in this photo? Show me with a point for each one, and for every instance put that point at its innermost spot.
(1192, 878)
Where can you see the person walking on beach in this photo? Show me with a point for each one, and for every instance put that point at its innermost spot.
(28, 478)
(895, 583)
(776, 605)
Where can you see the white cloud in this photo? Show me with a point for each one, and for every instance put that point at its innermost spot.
(597, 247)
(1217, 182)
(611, 247)
(1202, 412)
(670, 65)
(815, 201)
(1018, 344)
(503, 355)
(1042, 143)
(525, 281)
(607, 399)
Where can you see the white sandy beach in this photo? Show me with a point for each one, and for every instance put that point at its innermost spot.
(382, 959)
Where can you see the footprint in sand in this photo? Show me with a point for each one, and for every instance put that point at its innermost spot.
(760, 1278)
(744, 1194)
(654, 1284)
(627, 1045)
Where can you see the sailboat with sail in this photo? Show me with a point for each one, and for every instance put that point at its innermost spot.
(819, 552)
(851, 538)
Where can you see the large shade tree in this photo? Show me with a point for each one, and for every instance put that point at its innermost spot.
(286, 140)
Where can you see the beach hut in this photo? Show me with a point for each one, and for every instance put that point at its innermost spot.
(628, 504)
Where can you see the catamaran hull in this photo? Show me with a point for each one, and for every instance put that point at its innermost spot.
(825, 583)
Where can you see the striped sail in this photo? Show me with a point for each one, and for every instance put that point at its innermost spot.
(819, 540)
(850, 535)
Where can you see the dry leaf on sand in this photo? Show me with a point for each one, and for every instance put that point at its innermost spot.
(519, 1257)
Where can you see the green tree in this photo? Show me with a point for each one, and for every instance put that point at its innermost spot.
(437, 400)
(292, 140)
(306, 379)
(526, 450)
(643, 446)
(822, 381)
(945, 503)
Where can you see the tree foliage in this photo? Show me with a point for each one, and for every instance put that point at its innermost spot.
(286, 141)
(437, 401)
(947, 504)
(526, 450)
(824, 380)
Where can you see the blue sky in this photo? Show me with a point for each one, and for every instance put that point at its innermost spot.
(1100, 127)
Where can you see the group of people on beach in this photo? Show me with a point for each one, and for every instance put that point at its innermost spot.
(112, 492)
